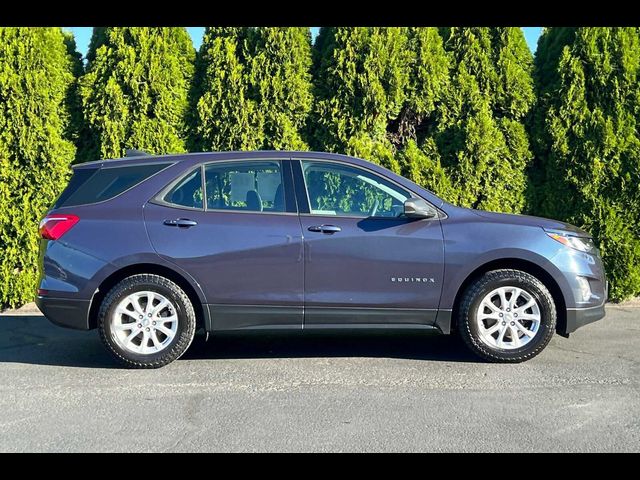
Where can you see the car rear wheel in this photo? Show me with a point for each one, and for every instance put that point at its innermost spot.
(146, 321)
(507, 316)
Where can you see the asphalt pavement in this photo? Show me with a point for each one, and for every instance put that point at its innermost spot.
(61, 391)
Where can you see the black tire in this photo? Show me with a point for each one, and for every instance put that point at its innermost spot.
(478, 289)
(184, 310)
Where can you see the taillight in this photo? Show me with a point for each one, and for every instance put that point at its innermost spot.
(52, 227)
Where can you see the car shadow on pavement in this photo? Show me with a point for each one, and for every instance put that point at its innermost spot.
(402, 345)
(34, 340)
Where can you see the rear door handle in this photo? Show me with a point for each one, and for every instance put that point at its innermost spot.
(328, 229)
(181, 222)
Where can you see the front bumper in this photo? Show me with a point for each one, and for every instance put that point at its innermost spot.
(65, 312)
(579, 317)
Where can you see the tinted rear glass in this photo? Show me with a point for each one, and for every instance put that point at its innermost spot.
(77, 179)
(104, 184)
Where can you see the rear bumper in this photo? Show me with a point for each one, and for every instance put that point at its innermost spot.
(579, 317)
(65, 312)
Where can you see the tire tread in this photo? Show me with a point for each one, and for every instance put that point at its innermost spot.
(172, 353)
(476, 288)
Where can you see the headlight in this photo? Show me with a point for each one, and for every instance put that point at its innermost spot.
(579, 243)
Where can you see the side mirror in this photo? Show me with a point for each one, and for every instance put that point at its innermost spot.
(418, 208)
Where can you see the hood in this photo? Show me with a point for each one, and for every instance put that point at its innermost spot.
(528, 220)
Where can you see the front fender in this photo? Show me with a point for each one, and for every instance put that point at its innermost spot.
(456, 276)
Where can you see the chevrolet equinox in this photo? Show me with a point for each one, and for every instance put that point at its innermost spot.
(149, 249)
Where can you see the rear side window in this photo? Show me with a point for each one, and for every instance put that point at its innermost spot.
(254, 186)
(77, 179)
(103, 184)
(187, 192)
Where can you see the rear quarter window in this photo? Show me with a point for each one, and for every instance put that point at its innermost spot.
(97, 185)
(77, 179)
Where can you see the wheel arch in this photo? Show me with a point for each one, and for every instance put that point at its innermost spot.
(202, 313)
(516, 264)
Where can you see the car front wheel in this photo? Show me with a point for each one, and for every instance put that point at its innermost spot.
(146, 321)
(507, 316)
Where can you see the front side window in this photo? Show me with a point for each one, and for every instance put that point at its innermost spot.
(342, 190)
(251, 186)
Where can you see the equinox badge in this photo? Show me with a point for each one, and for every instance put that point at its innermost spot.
(413, 280)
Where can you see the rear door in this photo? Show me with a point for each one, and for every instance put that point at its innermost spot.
(365, 263)
(234, 227)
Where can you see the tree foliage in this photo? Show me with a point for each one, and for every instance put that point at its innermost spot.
(361, 77)
(586, 137)
(134, 93)
(414, 131)
(429, 69)
(36, 78)
(225, 117)
(252, 88)
(280, 83)
(449, 115)
(457, 110)
(480, 132)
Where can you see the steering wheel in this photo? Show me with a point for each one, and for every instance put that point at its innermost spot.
(374, 209)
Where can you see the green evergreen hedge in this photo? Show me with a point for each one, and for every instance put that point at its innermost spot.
(588, 148)
(36, 83)
(252, 89)
(466, 112)
(134, 93)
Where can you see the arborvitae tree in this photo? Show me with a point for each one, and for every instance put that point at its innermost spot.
(427, 86)
(279, 79)
(36, 74)
(77, 130)
(546, 77)
(98, 38)
(550, 47)
(422, 165)
(480, 135)
(225, 117)
(587, 141)
(418, 122)
(252, 88)
(361, 77)
(134, 94)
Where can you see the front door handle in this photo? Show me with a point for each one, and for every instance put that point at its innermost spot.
(328, 229)
(181, 222)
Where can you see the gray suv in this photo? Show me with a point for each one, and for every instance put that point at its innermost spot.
(148, 249)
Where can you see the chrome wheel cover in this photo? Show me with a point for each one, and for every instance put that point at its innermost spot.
(508, 318)
(144, 323)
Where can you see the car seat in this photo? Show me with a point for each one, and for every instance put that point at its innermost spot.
(278, 199)
(254, 202)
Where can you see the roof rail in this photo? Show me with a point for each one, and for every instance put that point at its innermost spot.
(132, 152)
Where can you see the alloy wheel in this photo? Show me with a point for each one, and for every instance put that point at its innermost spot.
(144, 322)
(508, 318)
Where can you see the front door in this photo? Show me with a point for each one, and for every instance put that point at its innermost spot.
(365, 263)
(233, 226)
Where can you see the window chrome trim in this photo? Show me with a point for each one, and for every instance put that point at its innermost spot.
(214, 210)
